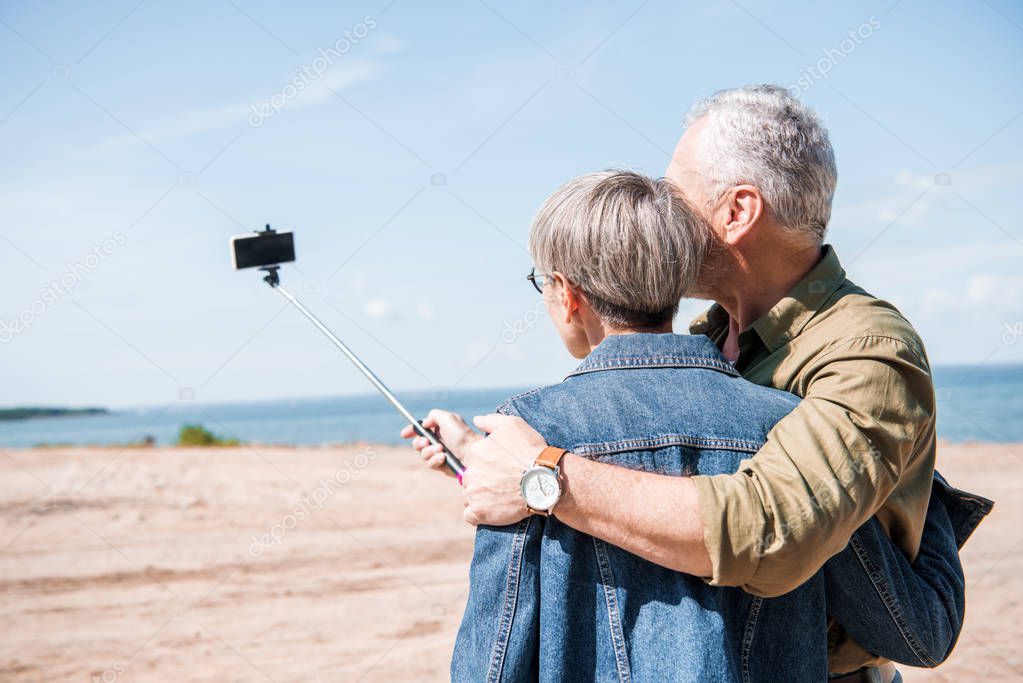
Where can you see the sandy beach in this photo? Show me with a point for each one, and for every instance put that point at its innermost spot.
(319, 564)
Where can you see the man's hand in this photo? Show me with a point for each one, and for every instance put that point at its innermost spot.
(493, 468)
(624, 507)
(451, 429)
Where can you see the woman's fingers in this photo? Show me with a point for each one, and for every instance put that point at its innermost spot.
(420, 442)
(408, 431)
(433, 456)
(435, 460)
(447, 426)
(436, 416)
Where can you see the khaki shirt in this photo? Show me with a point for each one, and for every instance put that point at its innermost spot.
(860, 443)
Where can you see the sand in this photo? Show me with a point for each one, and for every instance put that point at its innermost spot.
(318, 564)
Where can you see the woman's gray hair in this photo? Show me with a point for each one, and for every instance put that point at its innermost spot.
(629, 242)
(761, 135)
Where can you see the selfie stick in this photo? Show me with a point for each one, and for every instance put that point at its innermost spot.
(453, 463)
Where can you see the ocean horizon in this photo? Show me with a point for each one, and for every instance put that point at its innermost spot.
(974, 404)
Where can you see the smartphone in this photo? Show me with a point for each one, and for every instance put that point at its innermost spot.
(262, 249)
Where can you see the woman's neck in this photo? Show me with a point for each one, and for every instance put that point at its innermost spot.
(664, 328)
(605, 331)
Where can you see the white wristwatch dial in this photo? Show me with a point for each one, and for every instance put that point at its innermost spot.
(541, 484)
(541, 488)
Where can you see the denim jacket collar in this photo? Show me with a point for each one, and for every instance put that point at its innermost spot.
(645, 350)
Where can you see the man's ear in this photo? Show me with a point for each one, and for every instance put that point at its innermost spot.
(744, 205)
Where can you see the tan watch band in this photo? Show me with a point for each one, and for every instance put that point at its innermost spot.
(550, 457)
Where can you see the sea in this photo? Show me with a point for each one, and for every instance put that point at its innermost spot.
(974, 404)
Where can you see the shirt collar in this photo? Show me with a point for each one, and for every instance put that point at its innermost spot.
(788, 317)
(644, 350)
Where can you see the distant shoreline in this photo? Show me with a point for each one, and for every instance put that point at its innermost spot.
(31, 413)
(973, 405)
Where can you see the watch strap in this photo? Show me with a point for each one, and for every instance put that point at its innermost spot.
(550, 457)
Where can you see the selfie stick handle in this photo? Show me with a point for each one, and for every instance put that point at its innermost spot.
(453, 463)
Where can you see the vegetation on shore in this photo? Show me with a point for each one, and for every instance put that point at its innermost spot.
(190, 435)
(29, 412)
(197, 435)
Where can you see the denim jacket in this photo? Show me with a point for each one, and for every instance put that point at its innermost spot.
(549, 603)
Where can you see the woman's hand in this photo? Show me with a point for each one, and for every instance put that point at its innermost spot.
(451, 429)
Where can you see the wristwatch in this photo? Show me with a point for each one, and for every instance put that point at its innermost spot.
(541, 484)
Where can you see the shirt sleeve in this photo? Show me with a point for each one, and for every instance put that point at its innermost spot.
(826, 468)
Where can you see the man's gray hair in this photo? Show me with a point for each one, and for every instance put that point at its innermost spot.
(761, 135)
(629, 242)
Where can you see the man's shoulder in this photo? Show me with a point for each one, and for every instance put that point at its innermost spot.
(854, 314)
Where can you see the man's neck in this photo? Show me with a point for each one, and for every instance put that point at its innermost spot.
(754, 285)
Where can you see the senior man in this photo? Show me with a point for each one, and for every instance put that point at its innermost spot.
(760, 167)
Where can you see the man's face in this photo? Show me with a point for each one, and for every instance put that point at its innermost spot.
(684, 173)
(682, 170)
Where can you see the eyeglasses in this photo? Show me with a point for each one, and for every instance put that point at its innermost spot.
(538, 280)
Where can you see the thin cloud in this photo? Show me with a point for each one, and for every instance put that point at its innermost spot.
(188, 123)
(902, 199)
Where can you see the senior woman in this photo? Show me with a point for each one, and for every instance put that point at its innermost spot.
(614, 254)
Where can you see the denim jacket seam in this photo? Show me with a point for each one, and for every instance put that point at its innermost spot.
(507, 618)
(877, 578)
(615, 447)
(614, 616)
(525, 394)
(748, 635)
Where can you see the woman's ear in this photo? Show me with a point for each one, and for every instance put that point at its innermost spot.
(566, 295)
(744, 206)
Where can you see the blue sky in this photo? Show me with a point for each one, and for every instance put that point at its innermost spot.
(411, 162)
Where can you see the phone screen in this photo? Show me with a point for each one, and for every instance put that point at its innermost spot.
(263, 249)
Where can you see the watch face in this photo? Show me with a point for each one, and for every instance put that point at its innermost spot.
(540, 488)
